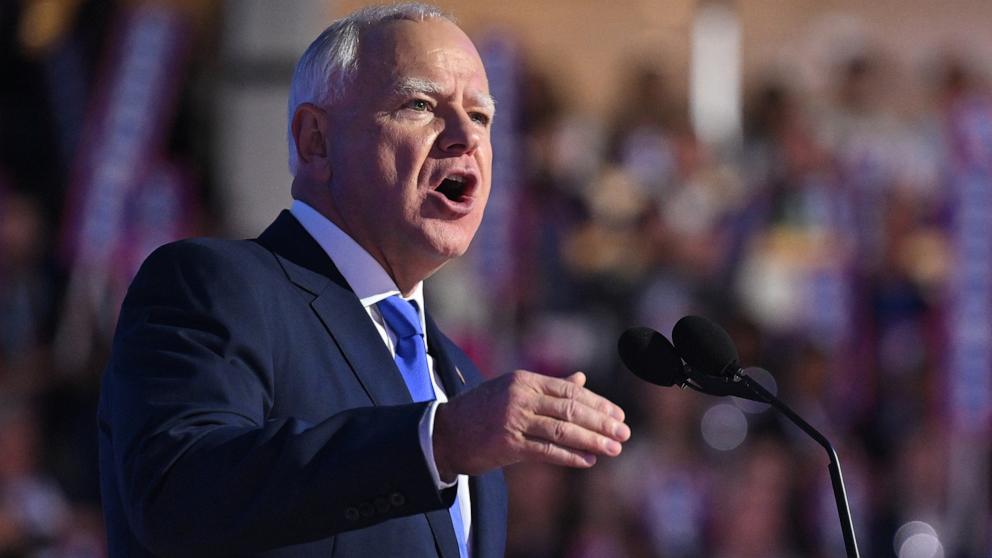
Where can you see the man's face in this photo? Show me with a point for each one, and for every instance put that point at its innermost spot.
(409, 147)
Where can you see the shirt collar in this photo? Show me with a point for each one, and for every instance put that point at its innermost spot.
(364, 275)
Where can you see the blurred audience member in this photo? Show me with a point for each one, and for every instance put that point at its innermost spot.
(33, 511)
(752, 519)
(26, 292)
(538, 498)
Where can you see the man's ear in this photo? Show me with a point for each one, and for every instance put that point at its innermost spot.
(309, 133)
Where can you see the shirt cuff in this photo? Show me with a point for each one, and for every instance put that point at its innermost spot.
(427, 445)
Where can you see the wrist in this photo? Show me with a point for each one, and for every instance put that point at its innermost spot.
(441, 447)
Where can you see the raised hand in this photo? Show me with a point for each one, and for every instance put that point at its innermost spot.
(523, 416)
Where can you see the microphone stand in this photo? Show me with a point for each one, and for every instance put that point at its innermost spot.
(836, 479)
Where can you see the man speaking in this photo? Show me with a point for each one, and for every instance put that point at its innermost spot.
(289, 395)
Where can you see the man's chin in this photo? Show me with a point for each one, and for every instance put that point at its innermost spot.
(449, 240)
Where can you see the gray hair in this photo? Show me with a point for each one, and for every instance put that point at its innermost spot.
(328, 65)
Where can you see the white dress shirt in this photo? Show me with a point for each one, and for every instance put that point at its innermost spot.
(371, 284)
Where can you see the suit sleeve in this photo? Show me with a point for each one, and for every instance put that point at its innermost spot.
(200, 468)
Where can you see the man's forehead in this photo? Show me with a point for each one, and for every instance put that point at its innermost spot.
(430, 57)
(432, 41)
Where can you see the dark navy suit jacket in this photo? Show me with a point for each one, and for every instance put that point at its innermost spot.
(250, 408)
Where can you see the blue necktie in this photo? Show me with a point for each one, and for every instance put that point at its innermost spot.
(411, 358)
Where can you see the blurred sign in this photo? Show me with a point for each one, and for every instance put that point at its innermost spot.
(163, 208)
(715, 74)
(970, 311)
(125, 130)
(495, 241)
(113, 175)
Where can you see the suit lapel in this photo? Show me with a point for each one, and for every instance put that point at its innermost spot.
(446, 370)
(452, 378)
(308, 266)
(348, 323)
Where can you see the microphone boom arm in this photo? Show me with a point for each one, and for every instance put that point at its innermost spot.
(836, 478)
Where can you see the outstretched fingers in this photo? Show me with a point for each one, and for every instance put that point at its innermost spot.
(570, 389)
(571, 436)
(539, 449)
(565, 424)
(577, 413)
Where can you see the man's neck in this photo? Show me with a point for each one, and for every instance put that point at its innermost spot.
(406, 280)
(367, 277)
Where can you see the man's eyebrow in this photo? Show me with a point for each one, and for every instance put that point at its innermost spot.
(418, 85)
(411, 85)
(484, 100)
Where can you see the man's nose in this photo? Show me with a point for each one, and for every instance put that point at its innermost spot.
(460, 135)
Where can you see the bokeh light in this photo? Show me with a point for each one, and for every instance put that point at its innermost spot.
(917, 539)
(724, 427)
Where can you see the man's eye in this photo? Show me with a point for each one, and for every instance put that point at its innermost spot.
(418, 105)
(481, 118)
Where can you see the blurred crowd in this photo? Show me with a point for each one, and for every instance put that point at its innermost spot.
(825, 237)
(826, 241)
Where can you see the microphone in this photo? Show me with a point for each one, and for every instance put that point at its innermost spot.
(706, 346)
(651, 357)
(712, 356)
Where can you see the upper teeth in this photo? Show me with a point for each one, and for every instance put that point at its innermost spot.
(457, 178)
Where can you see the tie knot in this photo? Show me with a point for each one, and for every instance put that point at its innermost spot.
(401, 316)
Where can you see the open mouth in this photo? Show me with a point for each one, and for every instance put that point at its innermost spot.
(454, 187)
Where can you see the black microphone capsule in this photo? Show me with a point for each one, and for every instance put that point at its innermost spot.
(706, 347)
(651, 357)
